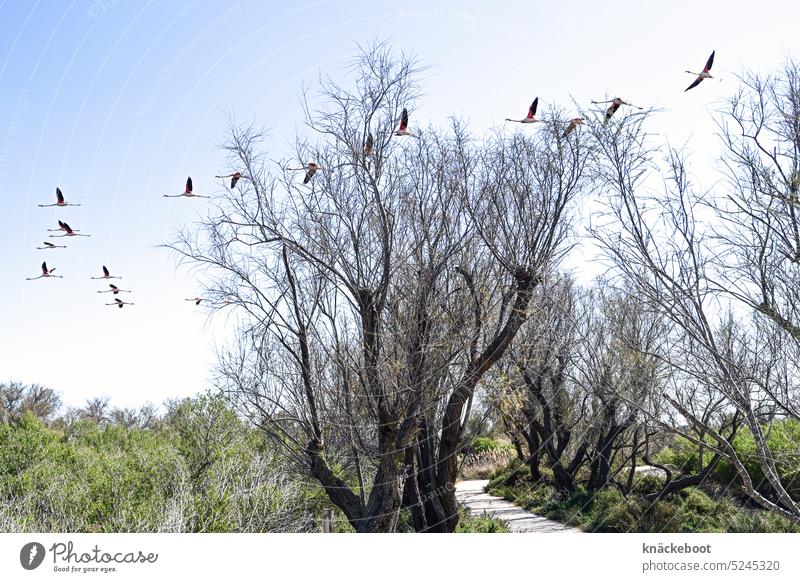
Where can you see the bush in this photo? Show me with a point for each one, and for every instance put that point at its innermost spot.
(682, 454)
(508, 474)
(783, 437)
(611, 512)
(748, 521)
(205, 471)
(647, 484)
(483, 444)
(690, 510)
(605, 505)
(480, 524)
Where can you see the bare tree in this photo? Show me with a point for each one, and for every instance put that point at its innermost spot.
(578, 377)
(374, 297)
(16, 399)
(696, 274)
(540, 404)
(11, 396)
(619, 366)
(144, 417)
(760, 214)
(96, 409)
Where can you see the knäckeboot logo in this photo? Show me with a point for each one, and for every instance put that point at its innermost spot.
(31, 555)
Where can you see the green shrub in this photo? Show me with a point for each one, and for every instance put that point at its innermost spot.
(611, 512)
(205, 471)
(483, 444)
(747, 521)
(604, 507)
(647, 484)
(682, 454)
(699, 512)
(480, 524)
(508, 473)
(690, 510)
(783, 437)
(573, 509)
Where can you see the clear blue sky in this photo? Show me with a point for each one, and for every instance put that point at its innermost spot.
(117, 101)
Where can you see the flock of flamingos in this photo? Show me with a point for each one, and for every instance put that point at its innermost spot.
(310, 169)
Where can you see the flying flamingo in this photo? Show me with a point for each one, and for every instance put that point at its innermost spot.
(67, 231)
(704, 75)
(196, 300)
(119, 303)
(369, 145)
(188, 192)
(575, 122)
(403, 129)
(61, 226)
(46, 273)
(612, 109)
(114, 289)
(235, 177)
(106, 275)
(531, 117)
(310, 168)
(59, 200)
(49, 245)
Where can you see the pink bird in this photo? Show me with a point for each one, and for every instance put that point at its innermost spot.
(531, 117)
(187, 192)
(369, 145)
(706, 74)
(616, 103)
(572, 125)
(106, 275)
(59, 200)
(46, 273)
(403, 129)
(49, 245)
(235, 177)
(114, 289)
(67, 231)
(119, 303)
(61, 227)
(311, 168)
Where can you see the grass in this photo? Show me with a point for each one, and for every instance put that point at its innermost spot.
(468, 523)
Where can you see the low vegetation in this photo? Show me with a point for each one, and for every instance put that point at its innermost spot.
(197, 468)
(716, 506)
(468, 523)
